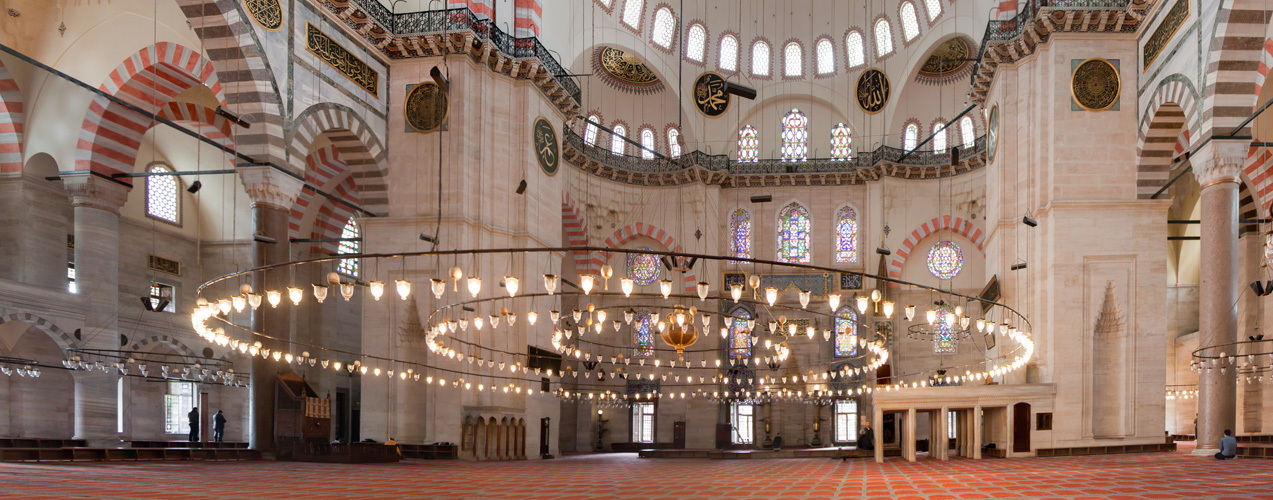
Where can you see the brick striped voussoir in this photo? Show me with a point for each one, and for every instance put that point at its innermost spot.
(12, 123)
(946, 222)
(576, 235)
(315, 216)
(1170, 121)
(360, 149)
(63, 339)
(1235, 77)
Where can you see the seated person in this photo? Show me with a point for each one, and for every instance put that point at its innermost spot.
(1228, 446)
(866, 440)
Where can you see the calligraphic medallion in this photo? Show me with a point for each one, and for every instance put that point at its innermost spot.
(267, 13)
(873, 90)
(992, 134)
(546, 147)
(1095, 84)
(426, 107)
(626, 67)
(342, 60)
(710, 96)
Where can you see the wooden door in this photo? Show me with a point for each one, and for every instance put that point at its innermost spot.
(1021, 428)
(678, 435)
(543, 437)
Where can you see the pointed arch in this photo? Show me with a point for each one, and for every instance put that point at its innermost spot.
(360, 148)
(635, 230)
(956, 224)
(846, 235)
(200, 119)
(12, 123)
(315, 216)
(1173, 111)
(63, 339)
(794, 236)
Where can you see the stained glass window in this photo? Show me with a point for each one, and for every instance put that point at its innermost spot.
(854, 50)
(793, 60)
(793, 234)
(647, 142)
(846, 235)
(748, 145)
(939, 138)
(664, 25)
(696, 42)
(883, 38)
(968, 132)
(934, 9)
(739, 336)
(910, 136)
(826, 57)
(841, 143)
(910, 21)
(673, 145)
(945, 260)
(348, 246)
(795, 136)
(740, 234)
(846, 333)
(760, 58)
(632, 10)
(643, 268)
(728, 58)
(162, 196)
(590, 131)
(617, 144)
(944, 341)
(643, 334)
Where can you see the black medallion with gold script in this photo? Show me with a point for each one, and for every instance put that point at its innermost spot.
(992, 135)
(426, 107)
(1095, 84)
(344, 61)
(710, 96)
(267, 13)
(873, 90)
(1171, 23)
(546, 148)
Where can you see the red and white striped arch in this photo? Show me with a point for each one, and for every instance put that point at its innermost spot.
(945, 222)
(200, 119)
(316, 216)
(149, 79)
(633, 231)
(11, 123)
(576, 235)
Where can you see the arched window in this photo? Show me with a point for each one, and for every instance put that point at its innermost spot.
(590, 130)
(795, 136)
(674, 143)
(739, 335)
(854, 49)
(696, 42)
(934, 9)
(632, 10)
(841, 143)
(846, 332)
(740, 234)
(348, 245)
(826, 57)
(760, 58)
(793, 234)
(162, 195)
(748, 145)
(945, 260)
(910, 21)
(793, 59)
(883, 38)
(664, 26)
(968, 132)
(944, 341)
(647, 142)
(728, 58)
(643, 268)
(939, 137)
(910, 136)
(617, 144)
(643, 334)
(846, 235)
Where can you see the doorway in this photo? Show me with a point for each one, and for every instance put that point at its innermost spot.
(1021, 428)
(543, 438)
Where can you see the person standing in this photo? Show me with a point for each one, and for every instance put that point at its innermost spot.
(1228, 446)
(218, 427)
(866, 440)
(194, 424)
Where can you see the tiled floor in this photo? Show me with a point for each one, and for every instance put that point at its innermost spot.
(1149, 475)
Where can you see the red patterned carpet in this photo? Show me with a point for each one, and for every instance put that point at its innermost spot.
(1149, 475)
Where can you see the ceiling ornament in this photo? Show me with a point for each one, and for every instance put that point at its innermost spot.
(948, 62)
(1095, 84)
(625, 71)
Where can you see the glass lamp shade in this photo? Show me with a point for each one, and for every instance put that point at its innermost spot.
(478, 322)
(601, 315)
(277, 355)
(403, 287)
(377, 289)
(295, 294)
(288, 358)
(606, 272)
(586, 282)
(959, 311)
(662, 326)
(833, 300)
(862, 301)
(702, 287)
(809, 331)
(626, 285)
(707, 320)
(347, 291)
(628, 316)
(773, 327)
(888, 309)
(981, 325)
(511, 284)
(724, 332)
(438, 286)
(963, 322)
(320, 293)
(532, 317)
(791, 329)
(736, 291)
(950, 319)
(910, 312)
(554, 315)
(754, 281)
(464, 325)
(616, 323)
(224, 306)
(931, 316)
(577, 314)
(475, 285)
(665, 287)
(804, 298)
(550, 283)
(239, 302)
(826, 334)
(771, 295)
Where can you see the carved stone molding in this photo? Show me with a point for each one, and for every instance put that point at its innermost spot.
(269, 187)
(95, 192)
(1220, 161)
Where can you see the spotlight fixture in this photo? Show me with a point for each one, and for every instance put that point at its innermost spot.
(1018, 266)
(194, 187)
(425, 237)
(883, 251)
(1256, 338)
(261, 238)
(1028, 221)
(151, 306)
(740, 91)
(521, 187)
(220, 111)
(762, 198)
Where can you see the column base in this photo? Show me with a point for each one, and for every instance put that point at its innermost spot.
(1205, 452)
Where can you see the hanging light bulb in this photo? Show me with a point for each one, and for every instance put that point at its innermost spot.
(628, 316)
(736, 291)
(403, 287)
(320, 293)
(959, 311)
(963, 322)
(377, 289)
(239, 302)
(702, 287)
(791, 329)
(724, 333)
(707, 320)
(931, 316)
(809, 331)
(665, 287)
(804, 298)
(586, 282)
(771, 295)
(478, 322)
(949, 319)
(601, 315)
(910, 312)
(224, 306)
(833, 300)
(254, 300)
(554, 315)
(862, 304)
(888, 309)
(438, 287)
(550, 283)
(532, 317)
(475, 285)
(295, 294)
(826, 334)
(464, 324)
(662, 326)
(347, 291)
(511, 283)
(577, 314)
(981, 325)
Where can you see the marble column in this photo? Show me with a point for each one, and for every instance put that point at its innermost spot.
(910, 434)
(273, 193)
(976, 432)
(943, 435)
(96, 203)
(878, 423)
(1217, 168)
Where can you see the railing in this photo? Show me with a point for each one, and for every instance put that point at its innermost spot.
(999, 31)
(461, 18)
(724, 164)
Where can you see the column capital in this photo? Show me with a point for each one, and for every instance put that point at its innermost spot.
(96, 192)
(269, 187)
(1220, 161)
